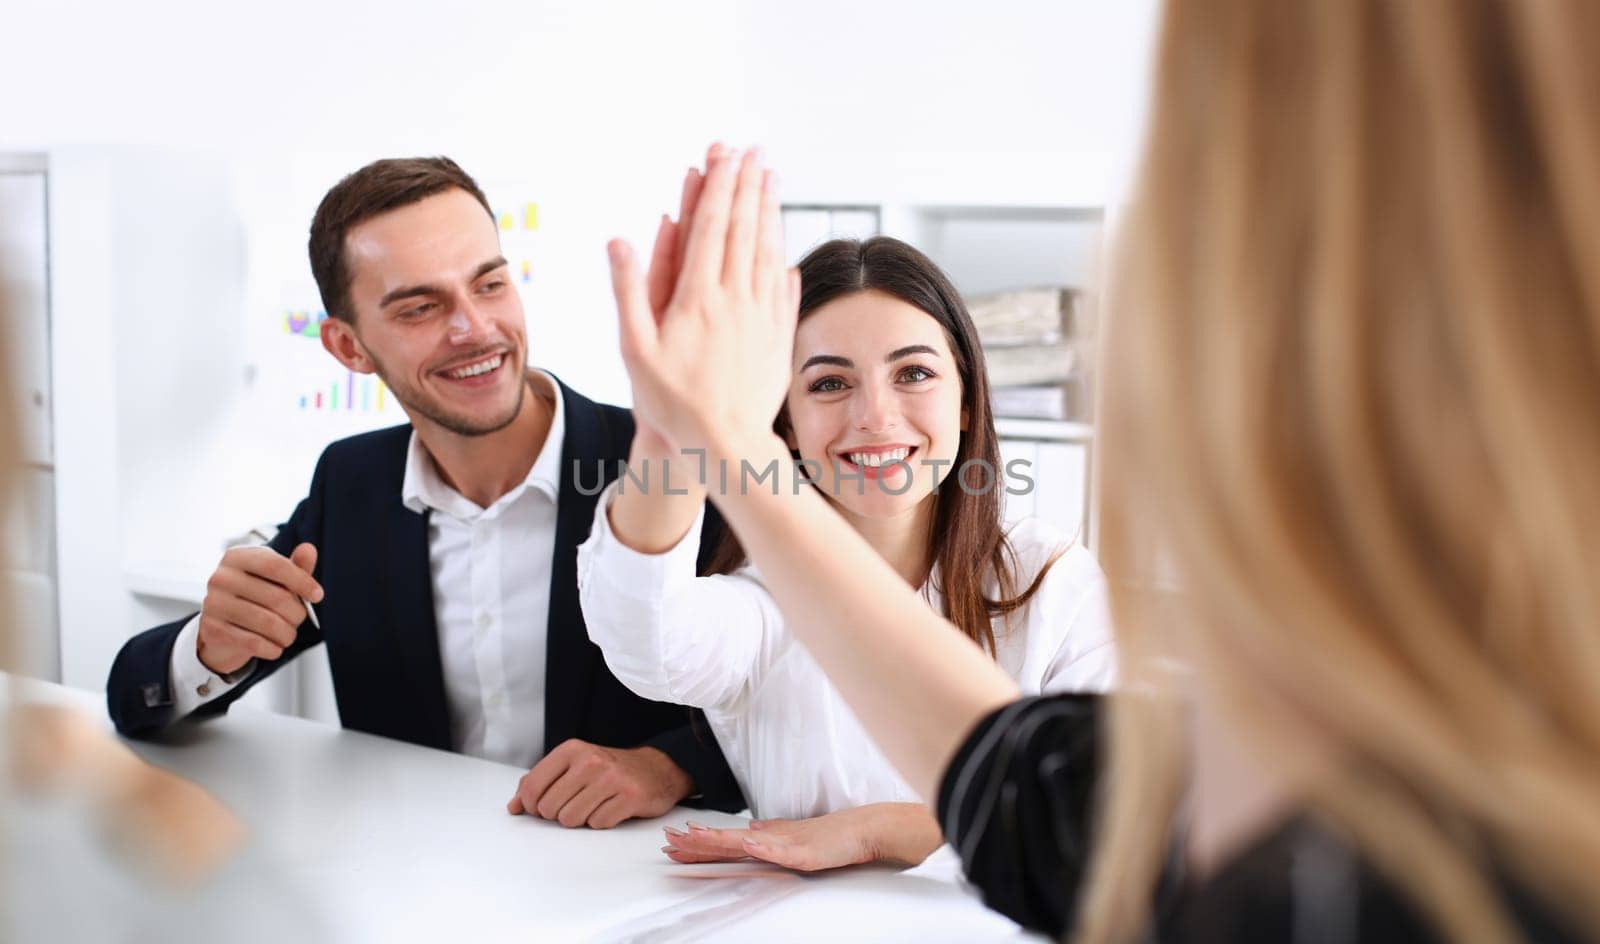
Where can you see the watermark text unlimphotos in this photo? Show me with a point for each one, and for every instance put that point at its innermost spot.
(974, 476)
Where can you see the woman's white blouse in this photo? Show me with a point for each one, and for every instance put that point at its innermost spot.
(720, 644)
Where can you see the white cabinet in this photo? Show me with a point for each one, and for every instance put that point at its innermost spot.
(25, 301)
(1061, 486)
(1058, 467)
(27, 517)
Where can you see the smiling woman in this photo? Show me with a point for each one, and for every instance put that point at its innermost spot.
(888, 409)
(921, 377)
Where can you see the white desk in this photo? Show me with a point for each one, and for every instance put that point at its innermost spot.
(393, 842)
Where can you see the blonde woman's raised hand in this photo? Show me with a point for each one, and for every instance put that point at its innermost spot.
(666, 257)
(711, 367)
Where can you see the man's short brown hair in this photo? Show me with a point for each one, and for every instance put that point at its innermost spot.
(373, 190)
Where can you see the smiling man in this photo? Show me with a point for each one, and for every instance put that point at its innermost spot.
(440, 555)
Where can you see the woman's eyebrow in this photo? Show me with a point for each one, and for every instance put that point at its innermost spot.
(830, 359)
(894, 355)
(909, 350)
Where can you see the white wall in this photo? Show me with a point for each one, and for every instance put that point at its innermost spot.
(190, 142)
(947, 102)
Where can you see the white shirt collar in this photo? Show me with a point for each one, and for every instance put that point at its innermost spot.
(424, 489)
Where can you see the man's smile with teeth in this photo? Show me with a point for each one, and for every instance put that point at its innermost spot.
(476, 368)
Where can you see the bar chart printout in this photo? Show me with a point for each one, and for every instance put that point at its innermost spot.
(350, 393)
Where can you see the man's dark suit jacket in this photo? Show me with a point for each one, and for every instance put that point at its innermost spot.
(378, 615)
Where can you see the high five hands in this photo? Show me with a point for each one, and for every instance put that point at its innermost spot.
(706, 336)
(708, 351)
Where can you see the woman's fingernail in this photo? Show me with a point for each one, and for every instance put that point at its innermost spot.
(693, 826)
(668, 849)
(674, 833)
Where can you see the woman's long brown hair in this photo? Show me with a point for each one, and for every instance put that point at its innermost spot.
(967, 543)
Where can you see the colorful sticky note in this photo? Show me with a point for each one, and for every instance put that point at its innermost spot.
(303, 323)
(507, 221)
(530, 216)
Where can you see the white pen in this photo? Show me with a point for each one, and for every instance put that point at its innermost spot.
(310, 610)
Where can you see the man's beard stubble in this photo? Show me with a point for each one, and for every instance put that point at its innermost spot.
(461, 426)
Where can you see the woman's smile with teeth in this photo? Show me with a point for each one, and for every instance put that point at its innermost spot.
(874, 459)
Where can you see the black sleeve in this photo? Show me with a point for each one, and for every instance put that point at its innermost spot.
(139, 687)
(1017, 802)
(694, 749)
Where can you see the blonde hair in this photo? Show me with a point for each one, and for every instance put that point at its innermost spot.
(1350, 395)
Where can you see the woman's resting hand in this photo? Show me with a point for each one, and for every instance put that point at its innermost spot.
(902, 833)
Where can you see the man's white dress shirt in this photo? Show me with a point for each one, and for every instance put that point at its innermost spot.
(491, 601)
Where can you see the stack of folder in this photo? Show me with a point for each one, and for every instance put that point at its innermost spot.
(1036, 343)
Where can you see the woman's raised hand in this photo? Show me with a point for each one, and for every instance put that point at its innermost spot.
(710, 369)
